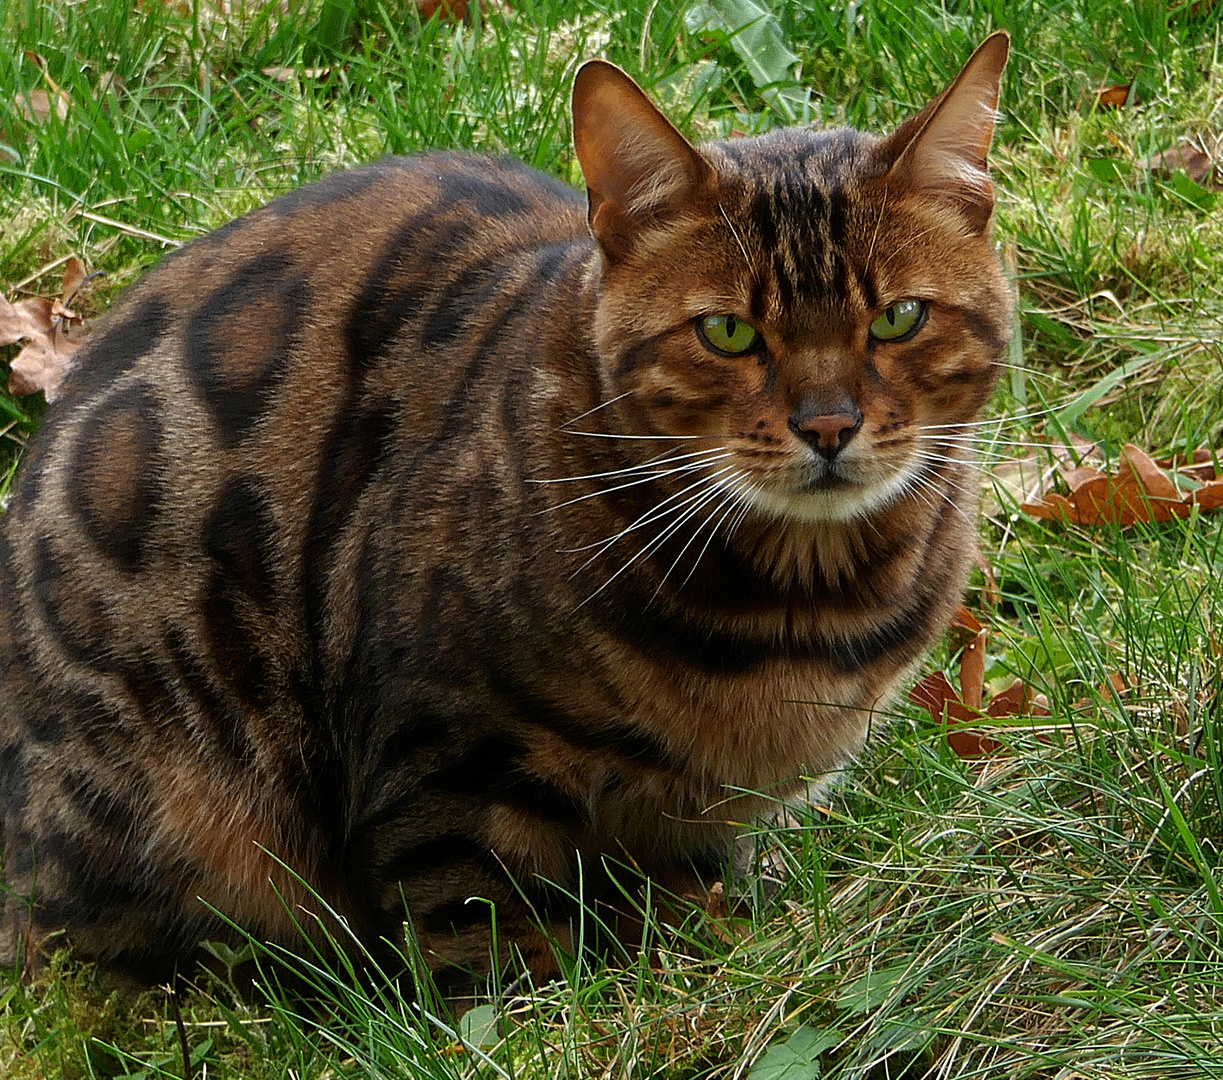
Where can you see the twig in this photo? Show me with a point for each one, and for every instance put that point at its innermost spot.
(131, 230)
(172, 994)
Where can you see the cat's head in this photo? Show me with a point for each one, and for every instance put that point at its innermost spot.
(824, 308)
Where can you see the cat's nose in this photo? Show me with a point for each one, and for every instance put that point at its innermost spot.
(826, 427)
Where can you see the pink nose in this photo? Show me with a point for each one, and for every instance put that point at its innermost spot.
(827, 433)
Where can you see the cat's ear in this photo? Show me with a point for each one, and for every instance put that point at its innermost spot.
(637, 165)
(943, 150)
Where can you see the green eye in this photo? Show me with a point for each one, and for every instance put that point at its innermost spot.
(727, 335)
(903, 318)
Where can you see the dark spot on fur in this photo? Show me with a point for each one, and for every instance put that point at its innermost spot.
(239, 340)
(114, 483)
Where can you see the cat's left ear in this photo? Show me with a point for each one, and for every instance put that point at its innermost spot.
(943, 150)
(638, 167)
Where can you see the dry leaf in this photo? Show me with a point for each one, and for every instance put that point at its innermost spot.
(952, 707)
(449, 9)
(73, 281)
(1194, 161)
(1018, 700)
(25, 319)
(972, 671)
(40, 322)
(36, 105)
(1140, 490)
(1113, 97)
(112, 83)
(1023, 479)
(41, 365)
(284, 74)
(964, 627)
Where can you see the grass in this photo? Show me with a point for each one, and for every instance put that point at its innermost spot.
(1054, 912)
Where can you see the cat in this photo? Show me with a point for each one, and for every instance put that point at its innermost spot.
(437, 532)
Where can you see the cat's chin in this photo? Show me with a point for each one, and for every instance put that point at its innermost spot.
(831, 501)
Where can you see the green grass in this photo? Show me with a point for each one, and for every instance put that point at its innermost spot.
(1053, 912)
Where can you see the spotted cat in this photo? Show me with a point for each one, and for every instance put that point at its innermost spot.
(439, 532)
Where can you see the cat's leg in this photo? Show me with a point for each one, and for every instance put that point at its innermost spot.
(461, 917)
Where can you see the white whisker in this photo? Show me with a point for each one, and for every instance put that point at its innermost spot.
(745, 509)
(736, 502)
(647, 518)
(949, 481)
(729, 497)
(653, 463)
(978, 440)
(692, 466)
(928, 486)
(649, 438)
(997, 420)
(699, 500)
(582, 416)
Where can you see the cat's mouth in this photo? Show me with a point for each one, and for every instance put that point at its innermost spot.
(827, 481)
(828, 491)
(826, 476)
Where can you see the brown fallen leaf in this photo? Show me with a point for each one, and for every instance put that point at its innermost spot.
(965, 626)
(73, 280)
(936, 694)
(40, 322)
(972, 671)
(111, 83)
(1140, 490)
(449, 9)
(37, 105)
(1188, 157)
(1113, 97)
(1023, 479)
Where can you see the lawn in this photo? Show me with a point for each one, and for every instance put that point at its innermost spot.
(1035, 896)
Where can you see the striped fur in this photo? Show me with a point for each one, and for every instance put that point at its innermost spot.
(405, 530)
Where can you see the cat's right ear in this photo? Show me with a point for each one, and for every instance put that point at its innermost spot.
(638, 167)
(942, 150)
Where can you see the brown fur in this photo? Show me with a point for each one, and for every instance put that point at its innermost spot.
(406, 532)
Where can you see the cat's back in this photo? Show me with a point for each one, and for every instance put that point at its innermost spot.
(361, 255)
(221, 423)
(165, 566)
(245, 348)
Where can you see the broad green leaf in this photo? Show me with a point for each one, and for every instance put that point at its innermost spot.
(1062, 336)
(1191, 191)
(1109, 170)
(797, 1058)
(479, 1026)
(872, 989)
(1068, 415)
(756, 35)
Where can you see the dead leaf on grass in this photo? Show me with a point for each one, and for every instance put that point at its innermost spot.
(1191, 159)
(1141, 489)
(40, 322)
(36, 105)
(449, 9)
(1113, 97)
(965, 706)
(284, 74)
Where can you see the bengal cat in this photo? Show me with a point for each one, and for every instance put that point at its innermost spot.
(438, 532)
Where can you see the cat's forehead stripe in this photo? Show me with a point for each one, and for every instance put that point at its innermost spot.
(797, 209)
